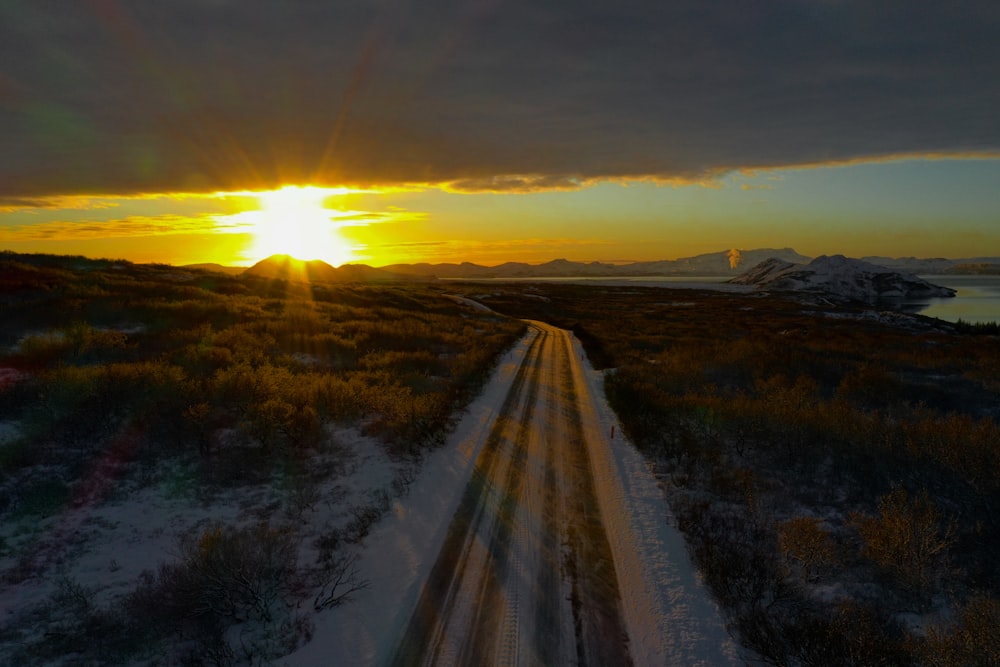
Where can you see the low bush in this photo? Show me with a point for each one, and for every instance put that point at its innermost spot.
(225, 576)
(908, 542)
(809, 544)
(971, 640)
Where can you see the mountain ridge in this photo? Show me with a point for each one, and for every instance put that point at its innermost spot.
(286, 267)
(709, 264)
(725, 263)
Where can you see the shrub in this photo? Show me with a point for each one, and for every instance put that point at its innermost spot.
(226, 575)
(869, 385)
(972, 640)
(340, 581)
(907, 542)
(44, 349)
(848, 633)
(73, 625)
(804, 540)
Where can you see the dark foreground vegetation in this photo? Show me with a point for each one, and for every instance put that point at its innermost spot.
(836, 473)
(110, 369)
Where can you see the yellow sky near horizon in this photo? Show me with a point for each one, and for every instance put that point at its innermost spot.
(491, 132)
(908, 208)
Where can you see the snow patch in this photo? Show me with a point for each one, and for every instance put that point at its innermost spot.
(670, 615)
(105, 540)
(399, 552)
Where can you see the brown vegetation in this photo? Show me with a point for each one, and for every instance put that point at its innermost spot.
(186, 355)
(240, 379)
(836, 472)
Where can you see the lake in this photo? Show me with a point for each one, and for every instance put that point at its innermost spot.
(978, 299)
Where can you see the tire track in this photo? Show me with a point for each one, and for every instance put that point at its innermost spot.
(424, 638)
(551, 601)
(525, 573)
(481, 644)
(601, 637)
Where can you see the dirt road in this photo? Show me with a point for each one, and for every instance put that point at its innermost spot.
(534, 537)
(527, 574)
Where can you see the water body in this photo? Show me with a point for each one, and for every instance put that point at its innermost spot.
(978, 299)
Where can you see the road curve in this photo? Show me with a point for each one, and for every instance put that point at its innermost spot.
(526, 575)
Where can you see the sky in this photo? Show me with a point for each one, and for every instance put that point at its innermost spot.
(495, 130)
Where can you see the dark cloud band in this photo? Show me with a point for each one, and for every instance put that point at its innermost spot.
(117, 96)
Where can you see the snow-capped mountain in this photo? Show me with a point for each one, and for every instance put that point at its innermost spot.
(840, 278)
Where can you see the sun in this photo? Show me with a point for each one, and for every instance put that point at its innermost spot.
(295, 221)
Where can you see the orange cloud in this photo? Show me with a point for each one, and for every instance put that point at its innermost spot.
(126, 227)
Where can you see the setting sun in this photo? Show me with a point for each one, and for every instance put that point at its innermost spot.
(295, 221)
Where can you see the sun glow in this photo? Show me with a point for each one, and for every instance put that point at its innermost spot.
(295, 221)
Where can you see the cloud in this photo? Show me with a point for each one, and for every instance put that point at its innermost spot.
(16, 204)
(115, 96)
(518, 183)
(413, 244)
(364, 218)
(131, 226)
(102, 201)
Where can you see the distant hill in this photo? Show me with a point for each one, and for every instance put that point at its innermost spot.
(446, 270)
(217, 268)
(362, 273)
(840, 278)
(719, 264)
(939, 265)
(285, 267)
(723, 263)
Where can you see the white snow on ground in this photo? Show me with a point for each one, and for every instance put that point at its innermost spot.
(670, 615)
(109, 534)
(400, 551)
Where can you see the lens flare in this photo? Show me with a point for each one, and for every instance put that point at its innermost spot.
(294, 220)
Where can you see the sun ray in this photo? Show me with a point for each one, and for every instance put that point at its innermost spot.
(294, 220)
